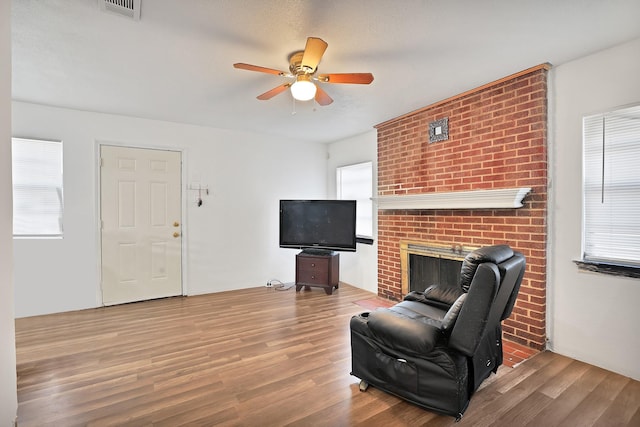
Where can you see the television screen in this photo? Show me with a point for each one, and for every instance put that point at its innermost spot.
(318, 224)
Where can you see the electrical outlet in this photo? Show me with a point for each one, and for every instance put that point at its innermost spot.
(268, 283)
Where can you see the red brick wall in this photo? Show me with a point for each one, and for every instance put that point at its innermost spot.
(497, 139)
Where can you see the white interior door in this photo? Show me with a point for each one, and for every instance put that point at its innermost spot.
(140, 203)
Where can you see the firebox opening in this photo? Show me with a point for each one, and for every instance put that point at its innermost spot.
(425, 271)
(423, 264)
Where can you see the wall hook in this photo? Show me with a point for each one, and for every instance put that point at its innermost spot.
(200, 189)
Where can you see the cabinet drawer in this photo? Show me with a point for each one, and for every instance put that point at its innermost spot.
(314, 270)
(312, 277)
(313, 264)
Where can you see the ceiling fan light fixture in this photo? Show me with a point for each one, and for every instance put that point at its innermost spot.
(303, 88)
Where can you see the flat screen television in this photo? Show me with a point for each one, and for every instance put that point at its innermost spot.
(318, 225)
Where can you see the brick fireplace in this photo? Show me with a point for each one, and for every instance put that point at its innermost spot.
(496, 140)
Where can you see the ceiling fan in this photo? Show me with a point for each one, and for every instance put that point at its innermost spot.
(303, 67)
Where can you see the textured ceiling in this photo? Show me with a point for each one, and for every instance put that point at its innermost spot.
(175, 63)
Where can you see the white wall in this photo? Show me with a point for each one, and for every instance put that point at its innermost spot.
(359, 269)
(591, 317)
(8, 391)
(231, 241)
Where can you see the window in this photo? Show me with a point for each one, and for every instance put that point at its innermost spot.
(355, 182)
(611, 224)
(37, 188)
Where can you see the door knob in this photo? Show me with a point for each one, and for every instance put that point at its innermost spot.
(176, 234)
(176, 224)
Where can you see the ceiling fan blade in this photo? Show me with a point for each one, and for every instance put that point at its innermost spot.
(313, 52)
(273, 92)
(322, 97)
(352, 78)
(250, 67)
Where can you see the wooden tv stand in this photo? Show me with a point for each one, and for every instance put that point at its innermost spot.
(321, 270)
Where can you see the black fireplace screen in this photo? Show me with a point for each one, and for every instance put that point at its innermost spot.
(425, 271)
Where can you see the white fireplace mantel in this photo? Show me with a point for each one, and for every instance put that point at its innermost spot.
(476, 199)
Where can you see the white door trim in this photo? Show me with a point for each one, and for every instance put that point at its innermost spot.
(98, 143)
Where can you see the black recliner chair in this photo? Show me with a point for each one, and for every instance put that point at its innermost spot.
(436, 347)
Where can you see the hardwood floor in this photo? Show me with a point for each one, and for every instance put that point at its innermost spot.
(263, 357)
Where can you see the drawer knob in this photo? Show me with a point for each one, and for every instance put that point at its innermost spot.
(312, 264)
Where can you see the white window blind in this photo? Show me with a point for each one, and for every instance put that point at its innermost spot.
(37, 188)
(355, 182)
(611, 224)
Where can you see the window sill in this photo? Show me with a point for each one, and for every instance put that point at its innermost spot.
(364, 240)
(611, 269)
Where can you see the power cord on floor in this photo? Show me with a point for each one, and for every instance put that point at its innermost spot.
(278, 285)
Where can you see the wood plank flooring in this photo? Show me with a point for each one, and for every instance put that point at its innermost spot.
(263, 357)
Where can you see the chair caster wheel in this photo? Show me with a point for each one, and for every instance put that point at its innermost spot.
(364, 385)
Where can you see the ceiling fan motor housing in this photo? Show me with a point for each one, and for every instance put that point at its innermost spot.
(295, 64)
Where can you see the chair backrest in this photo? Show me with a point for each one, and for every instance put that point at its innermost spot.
(495, 254)
(512, 272)
(491, 276)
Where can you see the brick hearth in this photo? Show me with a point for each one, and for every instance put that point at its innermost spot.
(497, 139)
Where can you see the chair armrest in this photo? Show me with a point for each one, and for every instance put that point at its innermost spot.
(404, 334)
(451, 316)
(437, 295)
(360, 324)
(473, 317)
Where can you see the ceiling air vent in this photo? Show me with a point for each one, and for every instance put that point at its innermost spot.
(130, 8)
